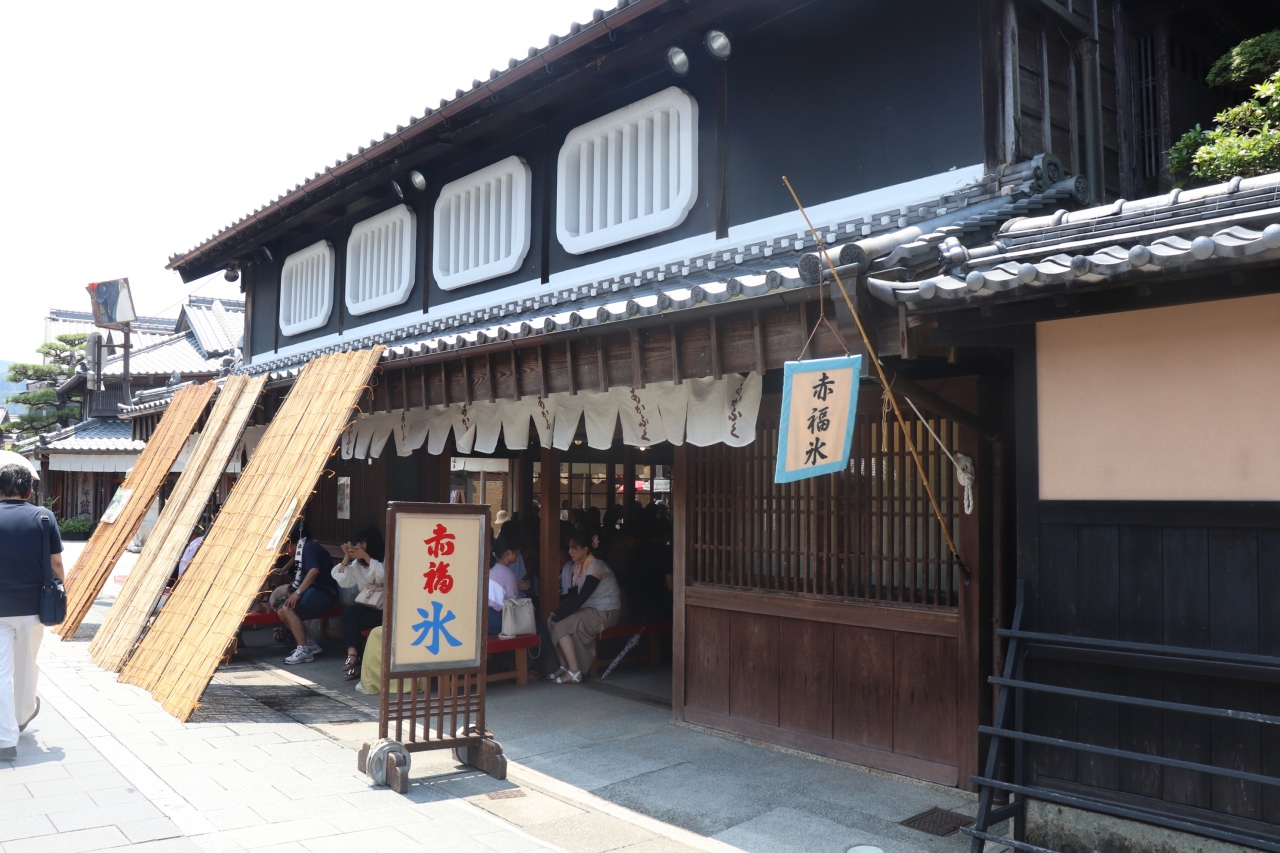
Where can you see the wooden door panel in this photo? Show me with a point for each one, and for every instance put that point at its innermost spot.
(753, 667)
(805, 676)
(707, 661)
(863, 686)
(924, 706)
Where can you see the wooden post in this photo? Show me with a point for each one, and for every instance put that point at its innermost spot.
(43, 493)
(974, 599)
(549, 497)
(679, 555)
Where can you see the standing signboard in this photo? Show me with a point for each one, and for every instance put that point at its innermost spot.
(819, 401)
(435, 635)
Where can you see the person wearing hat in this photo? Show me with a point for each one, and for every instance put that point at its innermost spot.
(25, 530)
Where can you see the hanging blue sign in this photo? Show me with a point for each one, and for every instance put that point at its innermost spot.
(819, 401)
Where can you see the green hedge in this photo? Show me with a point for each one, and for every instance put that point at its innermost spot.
(74, 526)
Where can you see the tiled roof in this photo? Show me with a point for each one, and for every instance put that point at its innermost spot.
(218, 324)
(145, 330)
(177, 352)
(784, 262)
(1185, 230)
(539, 59)
(88, 436)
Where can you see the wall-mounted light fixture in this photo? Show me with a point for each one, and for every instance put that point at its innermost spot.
(418, 180)
(232, 273)
(262, 256)
(395, 188)
(717, 44)
(678, 61)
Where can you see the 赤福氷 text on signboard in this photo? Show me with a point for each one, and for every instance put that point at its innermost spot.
(819, 400)
(439, 584)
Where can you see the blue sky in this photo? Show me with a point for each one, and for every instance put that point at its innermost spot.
(135, 130)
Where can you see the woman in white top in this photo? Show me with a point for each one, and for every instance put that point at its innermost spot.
(594, 604)
(361, 567)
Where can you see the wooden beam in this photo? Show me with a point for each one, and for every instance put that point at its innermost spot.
(1074, 24)
(422, 379)
(515, 374)
(542, 375)
(549, 524)
(488, 368)
(404, 390)
(637, 360)
(466, 381)
(757, 335)
(444, 380)
(675, 355)
(568, 365)
(716, 370)
(602, 379)
(680, 518)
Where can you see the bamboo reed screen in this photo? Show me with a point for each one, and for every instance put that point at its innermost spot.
(866, 533)
(128, 617)
(179, 654)
(150, 470)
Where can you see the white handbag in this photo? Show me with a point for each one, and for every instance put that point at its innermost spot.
(372, 596)
(517, 617)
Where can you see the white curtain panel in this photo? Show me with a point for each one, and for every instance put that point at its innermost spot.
(702, 411)
(568, 413)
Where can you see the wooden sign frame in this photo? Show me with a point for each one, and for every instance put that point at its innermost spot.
(450, 713)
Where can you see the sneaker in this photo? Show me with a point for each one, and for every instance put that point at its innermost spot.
(301, 654)
(360, 688)
(314, 646)
(8, 753)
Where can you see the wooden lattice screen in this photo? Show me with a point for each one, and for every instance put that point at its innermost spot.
(108, 542)
(129, 615)
(179, 654)
(866, 533)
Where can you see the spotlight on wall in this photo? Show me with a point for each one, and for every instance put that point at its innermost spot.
(262, 256)
(717, 44)
(678, 60)
(395, 188)
(418, 180)
(232, 274)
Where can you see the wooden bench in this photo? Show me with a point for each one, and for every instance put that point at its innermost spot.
(508, 644)
(653, 630)
(513, 644)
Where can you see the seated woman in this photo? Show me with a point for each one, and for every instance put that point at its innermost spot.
(502, 580)
(361, 567)
(594, 604)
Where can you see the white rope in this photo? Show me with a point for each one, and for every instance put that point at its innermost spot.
(965, 472)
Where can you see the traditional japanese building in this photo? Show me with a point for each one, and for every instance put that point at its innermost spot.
(587, 275)
(84, 463)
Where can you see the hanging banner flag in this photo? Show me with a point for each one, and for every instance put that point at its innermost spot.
(819, 400)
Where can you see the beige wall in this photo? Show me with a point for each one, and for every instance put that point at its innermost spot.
(1178, 403)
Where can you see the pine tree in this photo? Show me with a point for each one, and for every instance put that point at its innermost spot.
(45, 408)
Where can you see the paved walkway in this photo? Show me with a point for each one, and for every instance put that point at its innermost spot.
(268, 764)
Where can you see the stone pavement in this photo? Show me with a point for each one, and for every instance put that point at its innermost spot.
(103, 767)
(268, 764)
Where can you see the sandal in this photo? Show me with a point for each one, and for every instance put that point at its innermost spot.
(559, 672)
(568, 678)
(351, 668)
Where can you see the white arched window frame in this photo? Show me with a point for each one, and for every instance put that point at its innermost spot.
(482, 224)
(381, 252)
(306, 288)
(628, 174)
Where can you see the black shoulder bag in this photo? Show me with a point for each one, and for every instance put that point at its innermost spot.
(53, 596)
